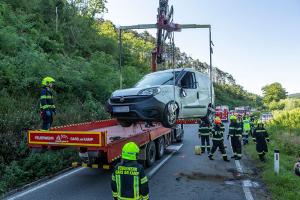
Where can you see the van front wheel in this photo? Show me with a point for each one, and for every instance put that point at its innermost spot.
(170, 115)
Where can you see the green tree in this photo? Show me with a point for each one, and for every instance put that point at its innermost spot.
(273, 92)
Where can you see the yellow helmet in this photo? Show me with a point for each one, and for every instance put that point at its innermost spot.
(130, 151)
(260, 122)
(218, 120)
(233, 117)
(47, 80)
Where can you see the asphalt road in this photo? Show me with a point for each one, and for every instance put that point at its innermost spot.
(185, 176)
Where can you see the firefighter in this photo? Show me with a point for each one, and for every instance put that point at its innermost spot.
(261, 137)
(246, 129)
(128, 179)
(235, 134)
(218, 140)
(47, 107)
(204, 134)
(251, 125)
(297, 167)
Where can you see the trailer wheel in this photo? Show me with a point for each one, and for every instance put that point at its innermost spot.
(150, 154)
(160, 147)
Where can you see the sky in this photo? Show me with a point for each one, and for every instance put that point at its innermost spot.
(256, 41)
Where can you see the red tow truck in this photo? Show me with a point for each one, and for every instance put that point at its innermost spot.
(222, 112)
(100, 143)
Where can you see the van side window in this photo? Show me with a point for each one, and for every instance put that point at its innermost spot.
(189, 81)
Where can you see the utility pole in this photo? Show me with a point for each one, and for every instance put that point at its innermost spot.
(56, 20)
(210, 65)
(120, 58)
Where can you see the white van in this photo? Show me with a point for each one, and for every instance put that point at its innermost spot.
(154, 98)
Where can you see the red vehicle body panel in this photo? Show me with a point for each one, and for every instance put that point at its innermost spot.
(105, 136)
(222, 112)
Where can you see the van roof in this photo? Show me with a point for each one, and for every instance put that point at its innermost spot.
(178, 69)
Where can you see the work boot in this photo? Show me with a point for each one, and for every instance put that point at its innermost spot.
(226, 159)
(234, 156)
(238, 158)
(210, 157)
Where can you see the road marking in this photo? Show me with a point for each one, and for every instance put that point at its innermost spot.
(45, 184)
(238, 166)
(246, 183)
(246, 188)
(157, 167)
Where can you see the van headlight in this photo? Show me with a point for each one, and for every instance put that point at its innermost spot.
(150, 91)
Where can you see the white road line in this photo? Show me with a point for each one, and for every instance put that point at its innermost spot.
(150, 174)
(247, 191)
(45, 184)
(238, 166)
(157, 167)
(246, 183)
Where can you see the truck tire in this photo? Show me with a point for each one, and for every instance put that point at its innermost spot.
(170, 115)
(150, 154)
(160, 147)
(179, 137)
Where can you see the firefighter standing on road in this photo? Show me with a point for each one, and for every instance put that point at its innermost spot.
(47, 106)
(246, 130)
(261, 137)
(218, 140)
(235, 133)
(128, 179)
(204, 134)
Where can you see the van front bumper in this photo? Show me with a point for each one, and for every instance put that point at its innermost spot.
(146, 108)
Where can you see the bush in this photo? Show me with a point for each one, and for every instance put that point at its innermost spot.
(287, 120)
(18, 173)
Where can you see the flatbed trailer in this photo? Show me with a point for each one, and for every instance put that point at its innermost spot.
(99, 143)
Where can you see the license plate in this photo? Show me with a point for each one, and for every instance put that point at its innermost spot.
(121, 109)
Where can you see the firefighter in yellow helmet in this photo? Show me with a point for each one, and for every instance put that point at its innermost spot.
(128, 179)
(47, 106)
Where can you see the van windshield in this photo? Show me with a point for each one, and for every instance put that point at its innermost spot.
(165, 78)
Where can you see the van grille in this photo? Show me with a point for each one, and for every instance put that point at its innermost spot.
(128, 99)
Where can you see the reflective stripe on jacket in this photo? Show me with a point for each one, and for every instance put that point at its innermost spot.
(129, 182)
(218, 132)
(46, 100)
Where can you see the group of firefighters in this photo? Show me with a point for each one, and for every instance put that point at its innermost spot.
(239, 130)
(128, 178)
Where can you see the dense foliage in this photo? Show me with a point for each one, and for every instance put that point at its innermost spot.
(273, 93)
(235, 95)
